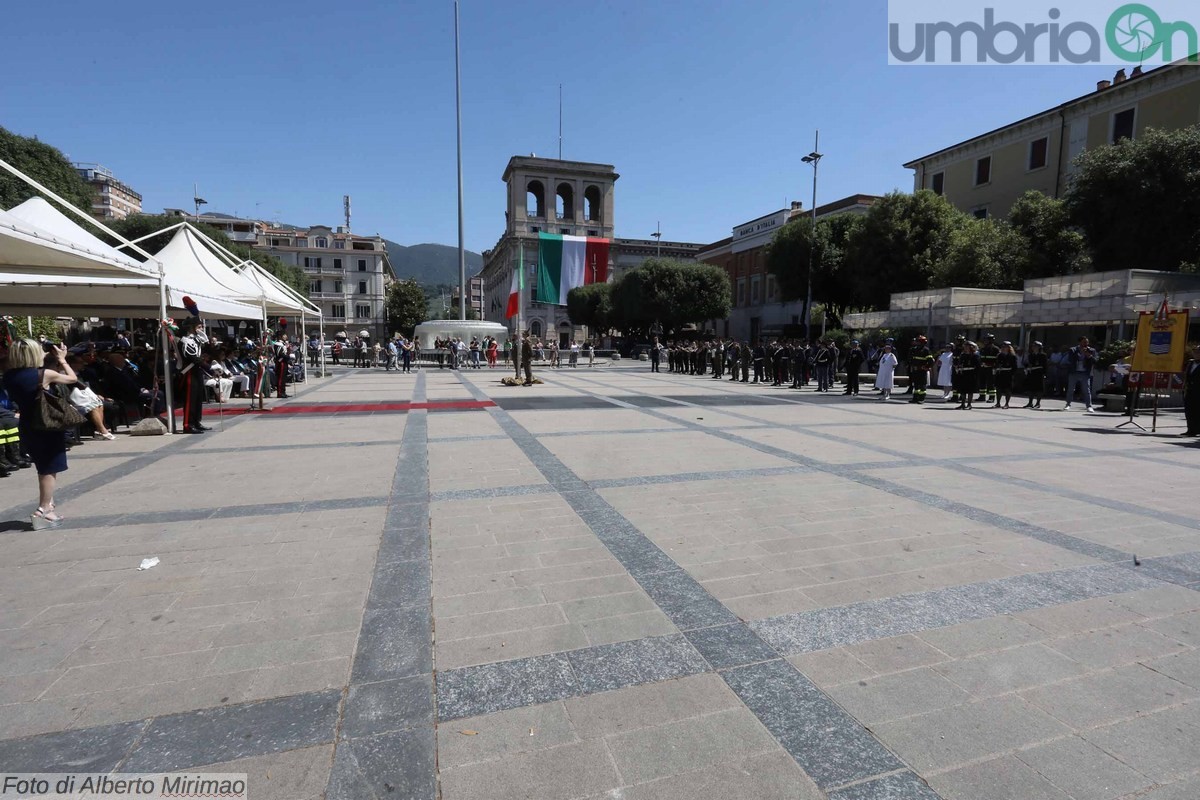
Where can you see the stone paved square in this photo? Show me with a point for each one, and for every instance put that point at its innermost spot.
(615, 585)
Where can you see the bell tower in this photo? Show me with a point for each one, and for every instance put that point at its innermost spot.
(546, 195)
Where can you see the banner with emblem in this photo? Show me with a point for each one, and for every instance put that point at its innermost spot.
(1161, 340)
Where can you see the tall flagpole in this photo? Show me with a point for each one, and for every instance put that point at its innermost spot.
(520, 304)
(462, 253)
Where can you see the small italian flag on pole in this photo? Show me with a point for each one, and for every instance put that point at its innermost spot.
(518, 286)
(568, 262)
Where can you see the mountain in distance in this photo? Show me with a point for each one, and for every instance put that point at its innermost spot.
(430, 264)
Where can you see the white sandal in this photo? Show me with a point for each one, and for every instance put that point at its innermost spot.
(41, 522)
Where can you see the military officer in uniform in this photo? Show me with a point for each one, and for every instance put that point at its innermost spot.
(190, 369)
(279, 355)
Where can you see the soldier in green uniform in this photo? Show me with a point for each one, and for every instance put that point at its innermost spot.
(920, 362)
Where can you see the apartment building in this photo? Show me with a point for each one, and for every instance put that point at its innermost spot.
(114, 199)
(348, 275)
(986, 174)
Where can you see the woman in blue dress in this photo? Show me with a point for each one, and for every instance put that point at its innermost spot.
(25, 380)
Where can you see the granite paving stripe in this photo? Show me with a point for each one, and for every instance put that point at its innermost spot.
(616, 666)
(828, 744)
(727, 646)
(487, 688)
(385, 738)
(825, 628)
(225, 512)
(99, 749)
(498, 491)
(1182, 569)
(385, 706)
(213, 735)
(689, 477)
(398, 764)
(899, 786)
(258, 448)
(483, 437)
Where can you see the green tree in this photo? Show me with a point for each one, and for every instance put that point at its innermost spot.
(1137, 201)
(1050, 245)
(980, 253)
(897, 246)
(788, 256)
(671, 293)
(591, 305)
(46, 165)
(406, 306)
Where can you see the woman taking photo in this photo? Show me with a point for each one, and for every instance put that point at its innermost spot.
(25, 382)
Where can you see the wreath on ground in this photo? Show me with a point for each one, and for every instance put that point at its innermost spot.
(515, 382)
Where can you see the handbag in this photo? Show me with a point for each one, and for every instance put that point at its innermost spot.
(83, 397)
(52, 412)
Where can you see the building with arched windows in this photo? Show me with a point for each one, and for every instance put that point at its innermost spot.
(551, 196)
(567, 197)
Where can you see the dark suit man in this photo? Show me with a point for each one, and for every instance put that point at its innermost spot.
(1191, 394)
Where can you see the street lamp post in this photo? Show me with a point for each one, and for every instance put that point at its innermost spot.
(658, 238)
(813, 158)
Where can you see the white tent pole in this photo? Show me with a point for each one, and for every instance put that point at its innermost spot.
(29, 324)
(303, 340)
(321, 323)
(266, 337)
(291, 292)
(152, 235)
(168, 389)
(77, 212)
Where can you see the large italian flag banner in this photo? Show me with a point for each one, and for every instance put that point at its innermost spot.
(567, 262)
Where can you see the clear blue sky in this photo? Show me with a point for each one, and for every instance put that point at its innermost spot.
(277, 109)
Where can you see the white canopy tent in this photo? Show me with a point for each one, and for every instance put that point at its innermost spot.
(218, 290)
(97, 294)
(33, 240)
(57, 257)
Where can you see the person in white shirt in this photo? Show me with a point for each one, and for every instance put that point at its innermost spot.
(885, 378)
(945, 375)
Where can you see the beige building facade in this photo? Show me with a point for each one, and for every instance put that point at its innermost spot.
(348, 275)
(985, 175)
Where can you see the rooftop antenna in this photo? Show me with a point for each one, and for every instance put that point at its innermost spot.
(560, 122)
(346, 209)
